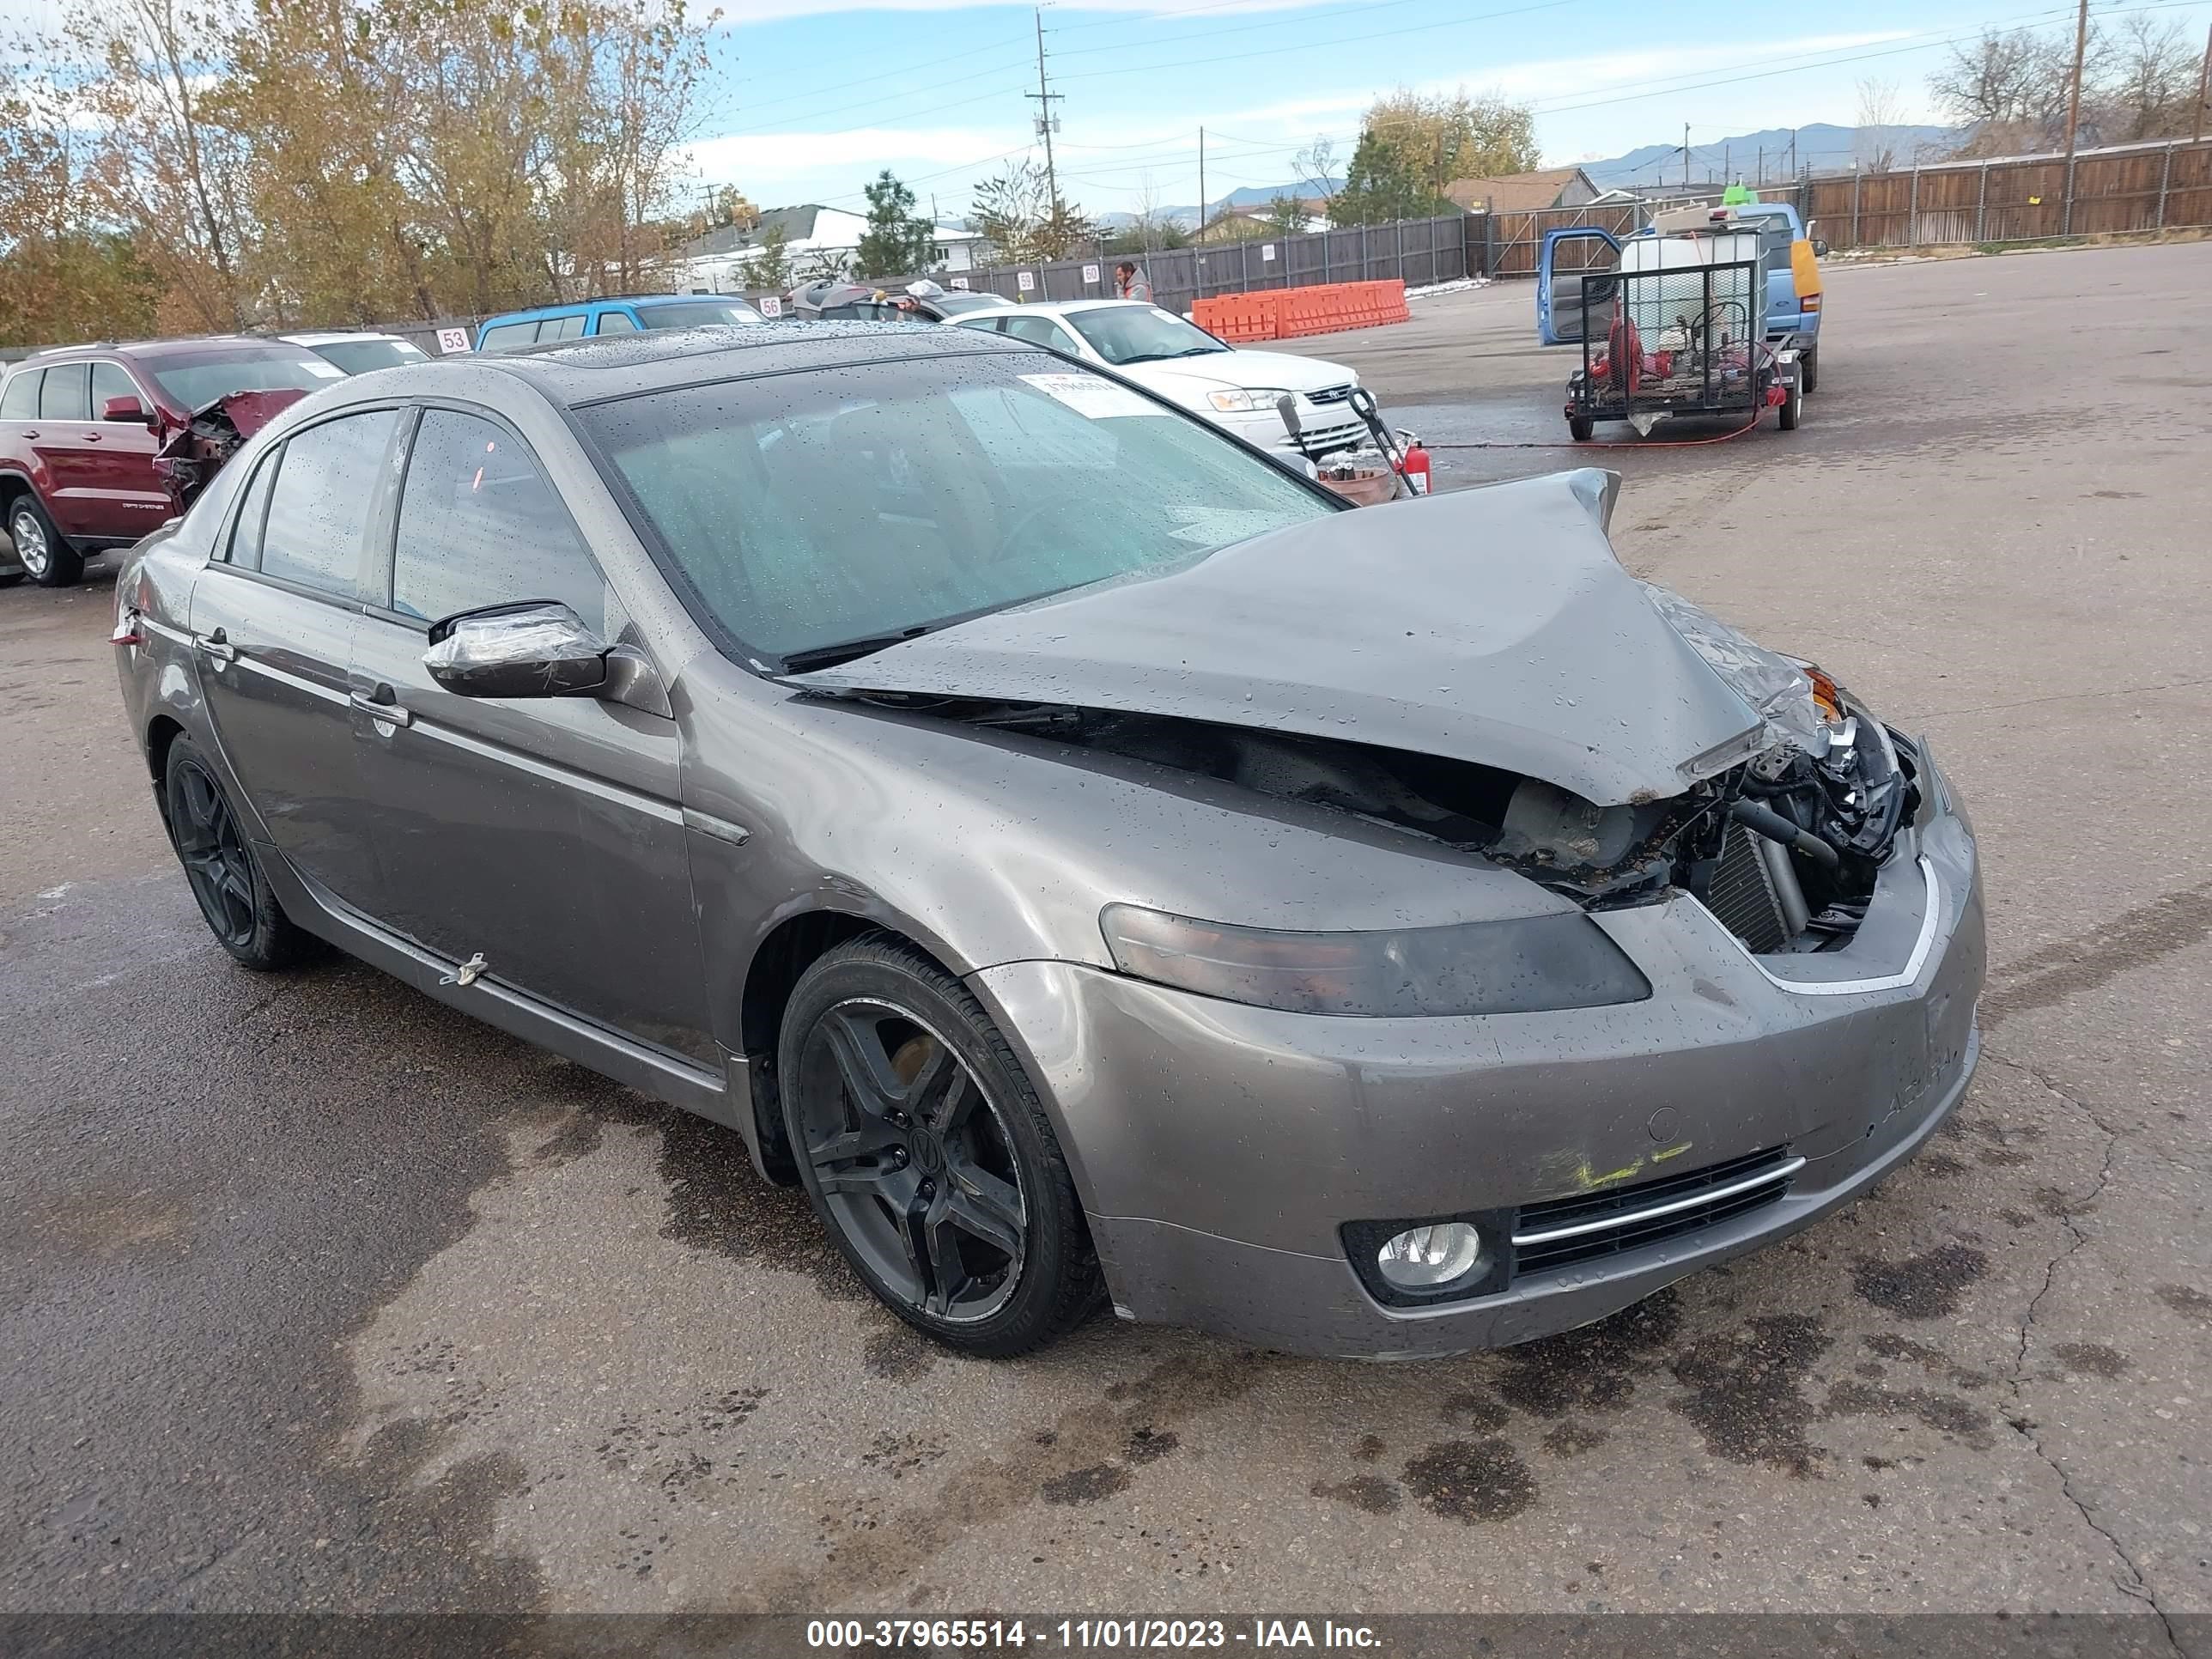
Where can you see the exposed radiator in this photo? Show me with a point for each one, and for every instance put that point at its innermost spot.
(1741, 893)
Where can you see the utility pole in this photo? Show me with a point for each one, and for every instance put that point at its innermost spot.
(2204, 89)
(2074, 114)
(1686, 155)
(1048, 123)
(1793, 152)
(1200, 237)
(2073, 95)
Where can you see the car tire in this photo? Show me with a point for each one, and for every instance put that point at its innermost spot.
(45, 554)
(1808, 367)
(234, 896)
(928, 1154)
(1793, 404)
(1581, 427)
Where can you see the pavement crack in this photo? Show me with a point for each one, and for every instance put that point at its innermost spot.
(2134, 1583)
(2069, 697)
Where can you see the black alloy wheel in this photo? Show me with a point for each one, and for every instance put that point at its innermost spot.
(241, 909)
(926, 1153)
(213, 853)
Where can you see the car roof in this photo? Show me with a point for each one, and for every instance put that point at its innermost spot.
(339, 336)
(571, 307)
(190, 344)
(578, 371)
(1062, 307)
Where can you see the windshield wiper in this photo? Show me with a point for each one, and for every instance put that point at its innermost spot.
(1162, 357)
(828, 656)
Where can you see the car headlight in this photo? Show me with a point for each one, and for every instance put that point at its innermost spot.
(1244, 400)
(1524, 965)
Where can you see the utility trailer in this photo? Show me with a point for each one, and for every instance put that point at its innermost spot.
(1680, 326)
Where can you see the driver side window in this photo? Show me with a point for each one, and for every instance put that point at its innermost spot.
(479, 525)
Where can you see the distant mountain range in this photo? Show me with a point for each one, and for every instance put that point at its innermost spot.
(1820, 147)
(1248, 196)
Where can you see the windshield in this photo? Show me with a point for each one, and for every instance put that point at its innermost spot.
(1141, 334)
(694, 315)
(195, 382)
(805, 511)
(359, 356)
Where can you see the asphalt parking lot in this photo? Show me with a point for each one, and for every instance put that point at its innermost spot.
(318, 1295)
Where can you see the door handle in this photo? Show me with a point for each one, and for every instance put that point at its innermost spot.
(216, 645)
(30, 432)
(91, 437)
(379, 706)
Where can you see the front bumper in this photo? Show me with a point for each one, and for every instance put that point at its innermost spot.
(1220, 1150)
(1326, 429)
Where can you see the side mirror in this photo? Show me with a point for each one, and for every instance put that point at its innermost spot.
(1819, 248)
(128, 410)
(534, 650)
(1287, 407)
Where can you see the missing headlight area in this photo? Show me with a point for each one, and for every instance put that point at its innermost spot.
(1783, 848)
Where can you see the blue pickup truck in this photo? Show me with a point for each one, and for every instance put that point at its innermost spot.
(1793, 273)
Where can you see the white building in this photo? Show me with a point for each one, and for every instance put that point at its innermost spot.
(817, 241)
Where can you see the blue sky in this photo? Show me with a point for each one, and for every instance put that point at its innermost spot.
(811, 97)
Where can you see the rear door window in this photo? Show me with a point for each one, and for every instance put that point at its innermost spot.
(479, 525)
(561, 328)
(1039, 330)
(19, 402)
(319, 509)
(67, 394)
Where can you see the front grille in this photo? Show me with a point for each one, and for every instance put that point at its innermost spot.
(1329, 394)
(1564, 1231)
(1741, 894)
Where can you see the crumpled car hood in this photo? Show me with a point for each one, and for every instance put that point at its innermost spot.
(1490, 625)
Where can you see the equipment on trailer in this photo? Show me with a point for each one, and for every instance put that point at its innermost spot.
(1678, 327)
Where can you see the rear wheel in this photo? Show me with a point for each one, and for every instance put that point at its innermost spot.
(1581, 427)
(234, 896)
(1793, 404)
(1808, 365)
(47, 557)
(927, 1154)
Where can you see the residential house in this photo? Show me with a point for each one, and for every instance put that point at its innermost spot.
(817, 241)
(1525, 192)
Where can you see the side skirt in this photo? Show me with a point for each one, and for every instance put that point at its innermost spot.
(726, 1099)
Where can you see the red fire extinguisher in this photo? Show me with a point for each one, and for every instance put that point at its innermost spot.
(1415, 465)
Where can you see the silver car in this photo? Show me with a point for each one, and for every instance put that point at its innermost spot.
(1095, 862)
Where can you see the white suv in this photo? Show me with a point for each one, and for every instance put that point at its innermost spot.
(1235, 389)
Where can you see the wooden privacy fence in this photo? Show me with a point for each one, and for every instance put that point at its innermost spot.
(1510, 244)
(2127, 188)
(1413, 251)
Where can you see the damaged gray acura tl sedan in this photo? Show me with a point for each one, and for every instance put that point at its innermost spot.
(1094, 862)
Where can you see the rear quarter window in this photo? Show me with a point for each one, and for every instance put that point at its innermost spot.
(509, 336)
(19, 402)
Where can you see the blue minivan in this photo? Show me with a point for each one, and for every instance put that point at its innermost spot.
(587, 318)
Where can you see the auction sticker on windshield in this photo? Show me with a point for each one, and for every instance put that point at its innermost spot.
(1086, 394)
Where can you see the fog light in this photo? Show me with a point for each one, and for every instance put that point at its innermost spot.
(1430, 1258)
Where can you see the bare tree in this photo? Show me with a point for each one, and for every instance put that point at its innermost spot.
(1881, 112)
(1316, 169)
(2152, 82)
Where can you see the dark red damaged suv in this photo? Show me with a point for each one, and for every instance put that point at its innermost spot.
(80, 427)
